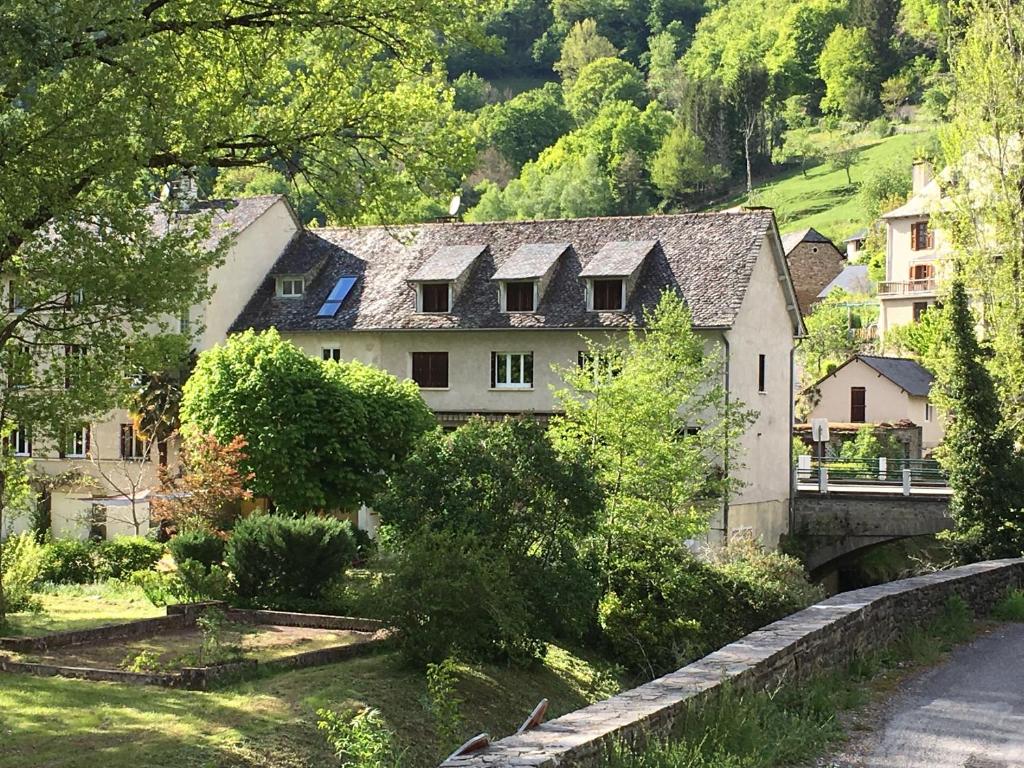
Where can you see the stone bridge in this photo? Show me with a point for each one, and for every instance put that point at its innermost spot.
(840, 525)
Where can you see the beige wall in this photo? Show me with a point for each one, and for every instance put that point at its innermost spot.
(884, 402)
(899, 310)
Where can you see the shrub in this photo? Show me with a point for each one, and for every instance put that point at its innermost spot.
(1011, 607)
(201, 546)
(68, 561)
(20, 564)
(124, 555)
(278, 559)
(452, 596)
(362, 740)
(443, 703)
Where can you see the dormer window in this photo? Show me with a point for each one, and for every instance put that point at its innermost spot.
(291, 287)
(608, 295)
(612, 273)
(520, 296)
(435, 297)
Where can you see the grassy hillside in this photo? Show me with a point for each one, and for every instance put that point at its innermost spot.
(823, 199)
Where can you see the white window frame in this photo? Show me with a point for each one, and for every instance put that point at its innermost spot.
(503, 297)
(508, 383)
(330, 354)
(291, 281)
(419, 297)
(138, 451)
(590, 294)
(929, 411)
(21, 443)
(79, 435)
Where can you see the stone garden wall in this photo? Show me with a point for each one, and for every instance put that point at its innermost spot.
(828, 634)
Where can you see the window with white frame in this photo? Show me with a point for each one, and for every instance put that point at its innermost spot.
(21, 442)
(77, 443)
(133, 446)
(434, 298)
(519, 296)
(512, 370)
(929, 412)
(332, 354)
(291, 287)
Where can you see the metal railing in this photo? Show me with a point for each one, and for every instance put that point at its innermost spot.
(905, 473)
(907, 287)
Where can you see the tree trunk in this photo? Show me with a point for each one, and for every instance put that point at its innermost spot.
(3, 597)
(746, 153)
(849, 181)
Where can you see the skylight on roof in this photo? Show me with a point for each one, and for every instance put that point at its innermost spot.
(337, 295)
(618, 259)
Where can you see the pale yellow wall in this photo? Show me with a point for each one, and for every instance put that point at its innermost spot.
(763, 326)
(884, 401)
(235, 281)
(899, 310)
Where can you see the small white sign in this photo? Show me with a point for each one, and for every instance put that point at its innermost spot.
(819, 430)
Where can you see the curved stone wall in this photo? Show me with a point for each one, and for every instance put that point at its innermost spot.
(829, 633)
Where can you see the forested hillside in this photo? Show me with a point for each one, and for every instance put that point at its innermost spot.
(616, 107)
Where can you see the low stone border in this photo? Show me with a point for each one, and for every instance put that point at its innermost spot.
(184, 616)
(830, 633)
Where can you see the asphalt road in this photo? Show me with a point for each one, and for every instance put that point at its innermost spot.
(966, 713)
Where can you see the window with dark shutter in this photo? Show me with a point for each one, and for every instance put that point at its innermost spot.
(921, 237)
(430, 369)
(435, 297)
(608, 295)
(858, 406)
(519, 297)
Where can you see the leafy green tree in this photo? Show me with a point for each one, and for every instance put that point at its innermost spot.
(654, 414)
(803, 29)
(843, 153)
(601, 82)
(985, 469)
(799, 146)
(523, 126)
(832, 336)
(919, 340)
(581, 46)
(679, 169)
(15, 494)
(869, 445)
(847, 67)
(884, 188)
(248, 182)
(318, 435)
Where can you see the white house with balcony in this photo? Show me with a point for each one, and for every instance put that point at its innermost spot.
(913, 254)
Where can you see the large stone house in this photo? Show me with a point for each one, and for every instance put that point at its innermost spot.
(814, 262)
(478, 315)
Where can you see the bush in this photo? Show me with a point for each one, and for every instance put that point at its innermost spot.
(124, 555)
(277, 559)
(452, 596)
(20, 564)
(360, 740)
(68, 561)
(1011, 607)
(202, 546)
(665, 607)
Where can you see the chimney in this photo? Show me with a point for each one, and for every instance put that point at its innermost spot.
(920, 175)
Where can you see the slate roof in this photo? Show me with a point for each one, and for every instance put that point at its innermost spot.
(853, 279)
(531, 261)
(230, 217)
(448, 262)
(618, 259)
(860, 234)
(707, 257)
(908, 375)
(809, 235)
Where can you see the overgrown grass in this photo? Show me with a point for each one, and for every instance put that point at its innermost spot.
(81, 606)
(823, 198)
(1011, 607)
(796, 723)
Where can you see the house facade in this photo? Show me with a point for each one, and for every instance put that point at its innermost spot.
(107, 472)
(814, 262)
(878, 390)
(914, 250)
(481, 316)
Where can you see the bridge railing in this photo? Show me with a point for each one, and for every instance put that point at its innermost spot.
(881, 471)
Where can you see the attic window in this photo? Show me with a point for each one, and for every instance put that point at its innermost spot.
(520, 296)
(435, 297)
(336, 297)
(291, 287)
(608, 295)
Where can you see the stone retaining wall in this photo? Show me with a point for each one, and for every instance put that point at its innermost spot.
(830, 633)
(312, 620)
(137, 628)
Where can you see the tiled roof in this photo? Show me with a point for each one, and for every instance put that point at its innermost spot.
(809, 235)
(907, 374)
(618, 259)
(853, 279)
(531, 261)
(448, 262)
(230, 217)
(708, 258)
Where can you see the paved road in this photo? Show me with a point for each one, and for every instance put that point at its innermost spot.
(966, 713)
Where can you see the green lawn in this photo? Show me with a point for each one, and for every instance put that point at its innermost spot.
(269, 721)
(823, 199)
(80, 606)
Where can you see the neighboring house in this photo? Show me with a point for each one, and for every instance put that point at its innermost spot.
(814, 261)
(913, 254)
(853, 279)
(878, 390)
(109, 455)
(855, 243)
(478, 315)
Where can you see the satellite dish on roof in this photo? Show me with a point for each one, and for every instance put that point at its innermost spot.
(454, 205)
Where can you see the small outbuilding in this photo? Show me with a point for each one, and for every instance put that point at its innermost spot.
(814, 261)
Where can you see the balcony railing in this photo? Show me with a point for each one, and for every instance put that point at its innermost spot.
(906, 287)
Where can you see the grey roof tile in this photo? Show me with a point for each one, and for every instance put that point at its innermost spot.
(908, 375)
(229, 217)
(853, 279)
(449, 262)
(707, 258)
(618, 259)
(531, 261)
